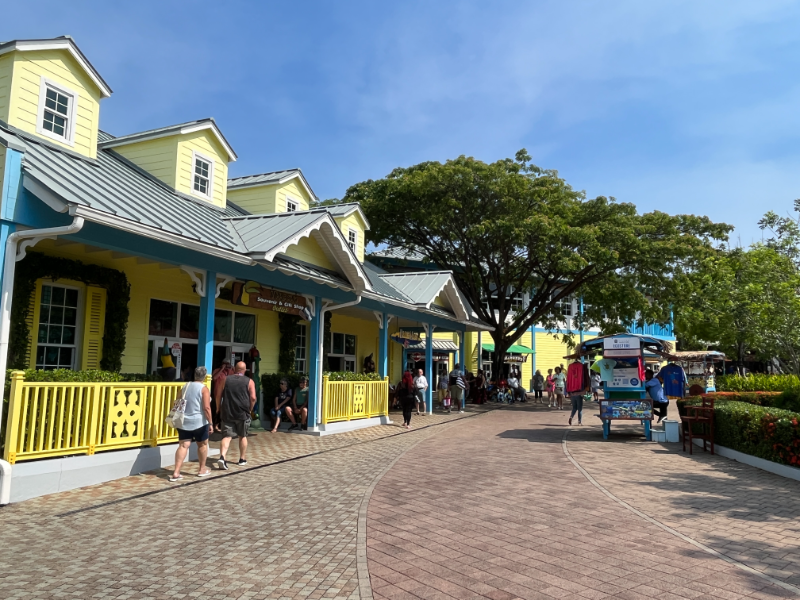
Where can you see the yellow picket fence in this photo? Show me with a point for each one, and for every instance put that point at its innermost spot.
(47, 419)
(350, 400)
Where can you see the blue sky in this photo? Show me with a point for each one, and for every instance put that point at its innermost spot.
(681, 106)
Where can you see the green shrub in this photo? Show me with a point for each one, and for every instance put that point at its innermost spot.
(348, 376)
(770, 433)
(757, 382)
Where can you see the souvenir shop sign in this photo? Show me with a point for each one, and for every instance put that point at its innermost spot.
(516, 358)
(411, 336)
(632, 410)
(253, 295)
(626, 378)
(622, 343)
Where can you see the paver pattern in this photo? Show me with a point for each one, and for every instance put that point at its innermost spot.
(287, 530)
(493, 508)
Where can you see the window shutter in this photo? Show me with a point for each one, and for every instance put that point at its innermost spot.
(33, 324)
(93, 325)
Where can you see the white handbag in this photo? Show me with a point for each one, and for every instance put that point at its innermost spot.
(177, 414)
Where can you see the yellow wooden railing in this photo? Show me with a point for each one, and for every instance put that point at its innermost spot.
(350, 400)
(47, 419)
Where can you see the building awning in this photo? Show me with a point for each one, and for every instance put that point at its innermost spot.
(438, 345)
(515, 349)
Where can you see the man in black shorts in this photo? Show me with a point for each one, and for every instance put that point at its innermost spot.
(238, 400)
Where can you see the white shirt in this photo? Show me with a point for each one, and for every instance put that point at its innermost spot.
(513, 382)
(421, 383)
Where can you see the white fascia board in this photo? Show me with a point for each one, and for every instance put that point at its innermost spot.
(104, 218)
(69, 46)
(45, 194)
(305, 277)
(217, 133)
(341, 251)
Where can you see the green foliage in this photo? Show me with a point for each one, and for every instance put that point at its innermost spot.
(288, 327)
(38, 266)
(766, 432)
(510, 225)
(348, 376)
(756, 382)
(271, 384)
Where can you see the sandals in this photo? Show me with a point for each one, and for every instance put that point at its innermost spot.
(206, 474)
(173, 479)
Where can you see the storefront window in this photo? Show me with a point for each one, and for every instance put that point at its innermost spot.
(244, 329)
(300, 350)
(190, 321)
(163, 318)
(223, 324)
(342, 353)
(58, 320)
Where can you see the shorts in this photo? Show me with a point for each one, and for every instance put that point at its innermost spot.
(235, 428)
(456, 393)
(277, 413)
(559, 394)
(194, 435)
(419, 395)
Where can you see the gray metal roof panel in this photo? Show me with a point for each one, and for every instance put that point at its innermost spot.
(438, 345)
(421, 287)
(262, 233)
(112, 184)
(262, 178)
(380, 286)
(303, 269)
(234, 210)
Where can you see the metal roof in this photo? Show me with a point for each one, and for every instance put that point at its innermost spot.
(398, 253)
(114, 185)
(234, 210)
(261, 234)
(272, 178)
(304, 270)
(422, 287)
(188, 127)
(63, 42)
(380, 286)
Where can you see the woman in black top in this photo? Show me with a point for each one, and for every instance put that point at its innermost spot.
(405, 391)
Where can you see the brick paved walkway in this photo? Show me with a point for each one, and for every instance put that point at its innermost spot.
(493, 508)
(282, 531)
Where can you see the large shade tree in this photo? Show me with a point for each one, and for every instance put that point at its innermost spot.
(509, 228)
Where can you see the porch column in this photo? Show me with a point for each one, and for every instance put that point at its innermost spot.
(461, 350)
(315, 365)
(383, 351)
(205, 337)
(429, 367)
(480, 351)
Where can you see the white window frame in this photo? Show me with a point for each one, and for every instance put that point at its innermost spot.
(293, 203)
(77, 357)
(211, 169)
(69, 138)
(298, 361)
(352, 239)
(346, 358)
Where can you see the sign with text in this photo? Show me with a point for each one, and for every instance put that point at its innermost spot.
(253, 295)
(626, 378)
(621, 353)
(626, 410)
(622, 342)
(411, 336)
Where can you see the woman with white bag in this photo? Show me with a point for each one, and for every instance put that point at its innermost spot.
(191, 416)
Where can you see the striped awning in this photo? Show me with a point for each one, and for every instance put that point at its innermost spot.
(438, 345)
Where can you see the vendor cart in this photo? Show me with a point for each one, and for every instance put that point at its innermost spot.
(622, 363)
(699, 367)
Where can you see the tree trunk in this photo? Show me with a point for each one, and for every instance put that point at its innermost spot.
(501, 346)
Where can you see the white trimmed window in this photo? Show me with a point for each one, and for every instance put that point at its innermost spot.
(202, 175)
(57, 345)
(300, 350)
(342, 355)
(291, 205)
(56, 115)
(352, 239)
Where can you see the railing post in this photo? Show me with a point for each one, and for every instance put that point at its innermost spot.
(155, 396)
(325, 399)
(12, 421)
(94, 416)
(385, 397)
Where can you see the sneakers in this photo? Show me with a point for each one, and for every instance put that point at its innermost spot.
(242, 462)
(294, 426)
(222, 463)
(461, 412)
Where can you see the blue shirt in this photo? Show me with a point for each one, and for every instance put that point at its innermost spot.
(655, 391)
(674, 380)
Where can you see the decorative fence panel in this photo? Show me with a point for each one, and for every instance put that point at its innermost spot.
(351, 400)
(47, 419)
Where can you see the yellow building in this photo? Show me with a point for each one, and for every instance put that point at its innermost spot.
(139, 254)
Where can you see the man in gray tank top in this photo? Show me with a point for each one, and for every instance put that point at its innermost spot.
(238, 399)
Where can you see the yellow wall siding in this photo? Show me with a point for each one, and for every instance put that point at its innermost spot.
(291, 190)
(60, 67)
(308, 250)
(549, 352)
(256, 200)
(526, 368)
(202, 142)
(158, 157)
(6, 71)
(366, 332)
(354, 222)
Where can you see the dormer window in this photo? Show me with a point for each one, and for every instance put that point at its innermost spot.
(202, 175)
(56, 118)
(352, 239)
(291, 206)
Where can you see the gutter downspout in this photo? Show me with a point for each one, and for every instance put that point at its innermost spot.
(318, 366)
(28, 238)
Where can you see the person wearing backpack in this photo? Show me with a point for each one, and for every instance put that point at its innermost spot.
(195, 426)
